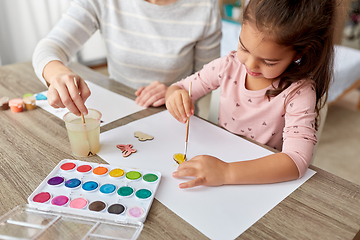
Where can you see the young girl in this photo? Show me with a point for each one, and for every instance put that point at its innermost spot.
(272, 89)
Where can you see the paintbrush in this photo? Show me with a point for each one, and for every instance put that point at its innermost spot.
(83, 121)
(187, 127)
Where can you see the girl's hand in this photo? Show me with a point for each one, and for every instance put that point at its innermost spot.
(179, 104)
(207, 170)
(62, 90)
(152, 95)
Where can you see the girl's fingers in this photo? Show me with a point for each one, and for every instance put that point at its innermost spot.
(179, 102)
(189, 107)
(175, 111)
(193, 183)
(185, 170)
(172, 108)
(176, 104)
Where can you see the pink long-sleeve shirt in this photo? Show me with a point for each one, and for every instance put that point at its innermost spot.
(285, 123)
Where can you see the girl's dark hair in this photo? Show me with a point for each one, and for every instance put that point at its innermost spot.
(308, 26)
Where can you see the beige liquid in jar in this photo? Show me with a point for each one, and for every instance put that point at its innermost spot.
(83, 139)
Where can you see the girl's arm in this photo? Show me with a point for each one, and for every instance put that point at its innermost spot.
(277, 167)
(211, 171)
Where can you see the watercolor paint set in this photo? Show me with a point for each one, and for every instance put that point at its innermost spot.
(98, 201)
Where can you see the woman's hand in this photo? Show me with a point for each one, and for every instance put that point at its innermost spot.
(179, 104)
(152, 95)
(207, 170)
(62, 90)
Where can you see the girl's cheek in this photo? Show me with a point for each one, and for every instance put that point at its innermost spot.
(270, 74)
(241, 58)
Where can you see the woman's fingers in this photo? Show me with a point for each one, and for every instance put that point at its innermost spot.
(53, 98)
(69, 91)
(151, 95)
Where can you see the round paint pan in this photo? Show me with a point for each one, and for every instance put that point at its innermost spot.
(56, 181)
(107, 188)
(68, 166)
(150, 178)
(84, 168)
(117, 173)
(90, 186)
(97, 206)
(100, 171)
(78, 203)
(60, 200)
(116, 208)
(42, 197)
(73, 183)
(135, 212)
(143, 194)
(125, 191)
(133, 175)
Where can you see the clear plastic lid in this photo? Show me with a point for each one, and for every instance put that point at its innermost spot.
(26, 222)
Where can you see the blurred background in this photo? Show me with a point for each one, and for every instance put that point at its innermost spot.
(24, 22)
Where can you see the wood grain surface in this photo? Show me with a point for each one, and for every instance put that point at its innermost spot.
(33, 142)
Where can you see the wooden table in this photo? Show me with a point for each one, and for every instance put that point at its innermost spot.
(33, 142)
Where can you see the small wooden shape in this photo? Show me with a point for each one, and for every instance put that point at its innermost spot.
(179, 158)
(126, 149)
(143, 136)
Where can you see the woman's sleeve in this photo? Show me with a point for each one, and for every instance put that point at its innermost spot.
(208, 47)
(67, 37)
(299, 137)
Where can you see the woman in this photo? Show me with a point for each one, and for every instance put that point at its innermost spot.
(150, 44)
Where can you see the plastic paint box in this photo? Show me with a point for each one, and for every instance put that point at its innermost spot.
(84, 200)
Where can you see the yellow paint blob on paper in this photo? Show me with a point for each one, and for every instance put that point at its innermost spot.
(179, 158)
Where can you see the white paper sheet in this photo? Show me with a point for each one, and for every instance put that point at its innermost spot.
(218, 212)
(112, 106)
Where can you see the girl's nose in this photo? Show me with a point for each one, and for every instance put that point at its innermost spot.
(251, 63)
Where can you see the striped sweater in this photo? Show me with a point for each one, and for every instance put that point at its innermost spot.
(144, 42)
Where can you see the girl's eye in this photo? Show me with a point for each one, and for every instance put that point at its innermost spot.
(242, 48)
(269, 64)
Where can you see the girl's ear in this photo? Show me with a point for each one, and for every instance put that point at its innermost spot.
(297, 58)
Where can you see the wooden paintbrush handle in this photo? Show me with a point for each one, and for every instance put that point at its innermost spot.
(82, 115)
(188, 120)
